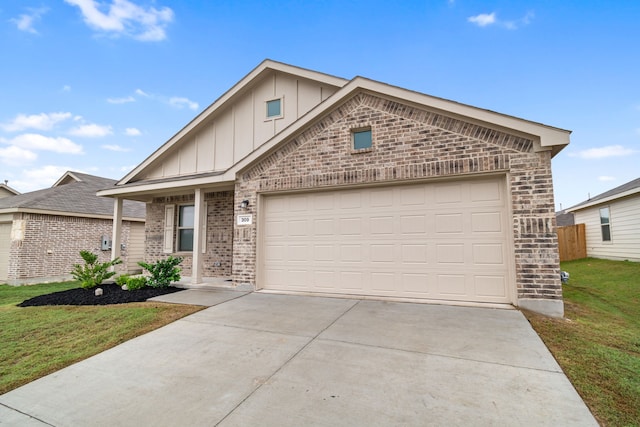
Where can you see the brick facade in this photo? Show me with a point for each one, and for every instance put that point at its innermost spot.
(412, 144)
(45, 247)
(217, 259)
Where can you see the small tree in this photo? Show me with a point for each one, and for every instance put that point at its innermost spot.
(163, 272)
(92, 273)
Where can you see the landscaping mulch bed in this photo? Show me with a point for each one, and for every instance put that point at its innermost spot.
(112, 294)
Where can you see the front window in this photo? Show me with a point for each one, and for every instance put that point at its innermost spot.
(605, 224)
(185, 228)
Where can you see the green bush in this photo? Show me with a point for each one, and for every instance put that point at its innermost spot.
(122, 280)
(92, 273)
(163, 272)
(135, 283)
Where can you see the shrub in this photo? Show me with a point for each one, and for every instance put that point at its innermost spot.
(135, 283)
(92, 273)
(122, 280)
(163, 272)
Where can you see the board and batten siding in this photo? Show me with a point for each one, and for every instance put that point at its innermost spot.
(625, 230)
(238, 129)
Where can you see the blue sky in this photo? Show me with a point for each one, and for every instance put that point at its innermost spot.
(97, 86)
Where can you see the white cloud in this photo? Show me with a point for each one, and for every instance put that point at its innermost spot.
(486, 19)
(122, 17)
(66, 88)
(603, 152)
(180, 102)
(116, 148)
(121, 100)
(606, 178)
(141, 93)
(33, 141)
(26, 21)
(13, 155)
(483, 19)
(91, 131)
(35, 179)
(42, 121)
(132, 132)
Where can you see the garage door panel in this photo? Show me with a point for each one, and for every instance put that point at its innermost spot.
(488, 254)
(443, 241)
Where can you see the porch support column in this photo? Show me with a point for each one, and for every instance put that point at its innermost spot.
(198, 235)
(117, 228)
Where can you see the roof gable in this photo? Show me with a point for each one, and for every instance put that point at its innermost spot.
(6, 191)
(542, 137)
(223, 133)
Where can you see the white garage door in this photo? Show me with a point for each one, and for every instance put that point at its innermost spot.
(5, 243)
(444, 241)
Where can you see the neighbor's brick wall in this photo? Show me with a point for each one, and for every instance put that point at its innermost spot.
(219, 233)
(408, 144)
(51, 245)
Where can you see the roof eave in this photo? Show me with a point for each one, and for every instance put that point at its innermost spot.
(592, 203)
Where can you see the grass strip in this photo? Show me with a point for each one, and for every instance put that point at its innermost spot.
(37, 341)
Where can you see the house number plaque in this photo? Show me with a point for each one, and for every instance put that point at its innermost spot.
(245, 219)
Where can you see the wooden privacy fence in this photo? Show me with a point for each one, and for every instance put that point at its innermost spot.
(572, 242)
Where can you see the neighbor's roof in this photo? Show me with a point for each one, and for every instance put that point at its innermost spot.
(9, 189)
(74, 194)
(628, 189)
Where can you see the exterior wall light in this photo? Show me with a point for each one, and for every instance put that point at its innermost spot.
(244, 204)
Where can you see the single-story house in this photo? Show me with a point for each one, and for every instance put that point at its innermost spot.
(6, 191)
(612, 222)
(299, 181)
(42, 232)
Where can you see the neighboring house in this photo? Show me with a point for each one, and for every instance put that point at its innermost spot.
(612, 222)
(43, 232)
(564, 218)
(298, 181)
(6, 191)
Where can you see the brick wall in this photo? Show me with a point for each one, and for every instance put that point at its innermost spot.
(217, 260)
(48, 246)
(409, 144)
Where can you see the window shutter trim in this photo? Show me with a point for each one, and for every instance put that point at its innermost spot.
(169, 219)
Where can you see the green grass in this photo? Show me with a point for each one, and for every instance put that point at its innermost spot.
(598, 343)
(36, 341)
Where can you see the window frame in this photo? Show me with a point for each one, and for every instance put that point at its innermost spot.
(606, 224)
(266, 109)
(360, 130)
(179, 227)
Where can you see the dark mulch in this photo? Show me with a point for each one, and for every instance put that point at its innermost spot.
(112, 294)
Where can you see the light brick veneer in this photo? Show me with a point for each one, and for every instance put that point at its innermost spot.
(51, 245)
(219, 233)
(412, 144)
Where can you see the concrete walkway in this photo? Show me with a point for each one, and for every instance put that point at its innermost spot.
(281, 360)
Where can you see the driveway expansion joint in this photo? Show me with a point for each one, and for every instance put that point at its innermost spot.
(286, 362)
(26, 415)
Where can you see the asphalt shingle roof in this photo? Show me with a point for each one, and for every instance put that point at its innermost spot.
(618, 190)
(75, 197)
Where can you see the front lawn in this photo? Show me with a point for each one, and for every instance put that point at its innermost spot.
(598, 343)
(36, 341)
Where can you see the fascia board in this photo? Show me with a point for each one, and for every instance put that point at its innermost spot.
(544, 135)
(228, 95)
(63, 213)
(611, 198)
(141, 189)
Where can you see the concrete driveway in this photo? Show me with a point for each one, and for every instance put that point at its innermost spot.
(282, 360)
